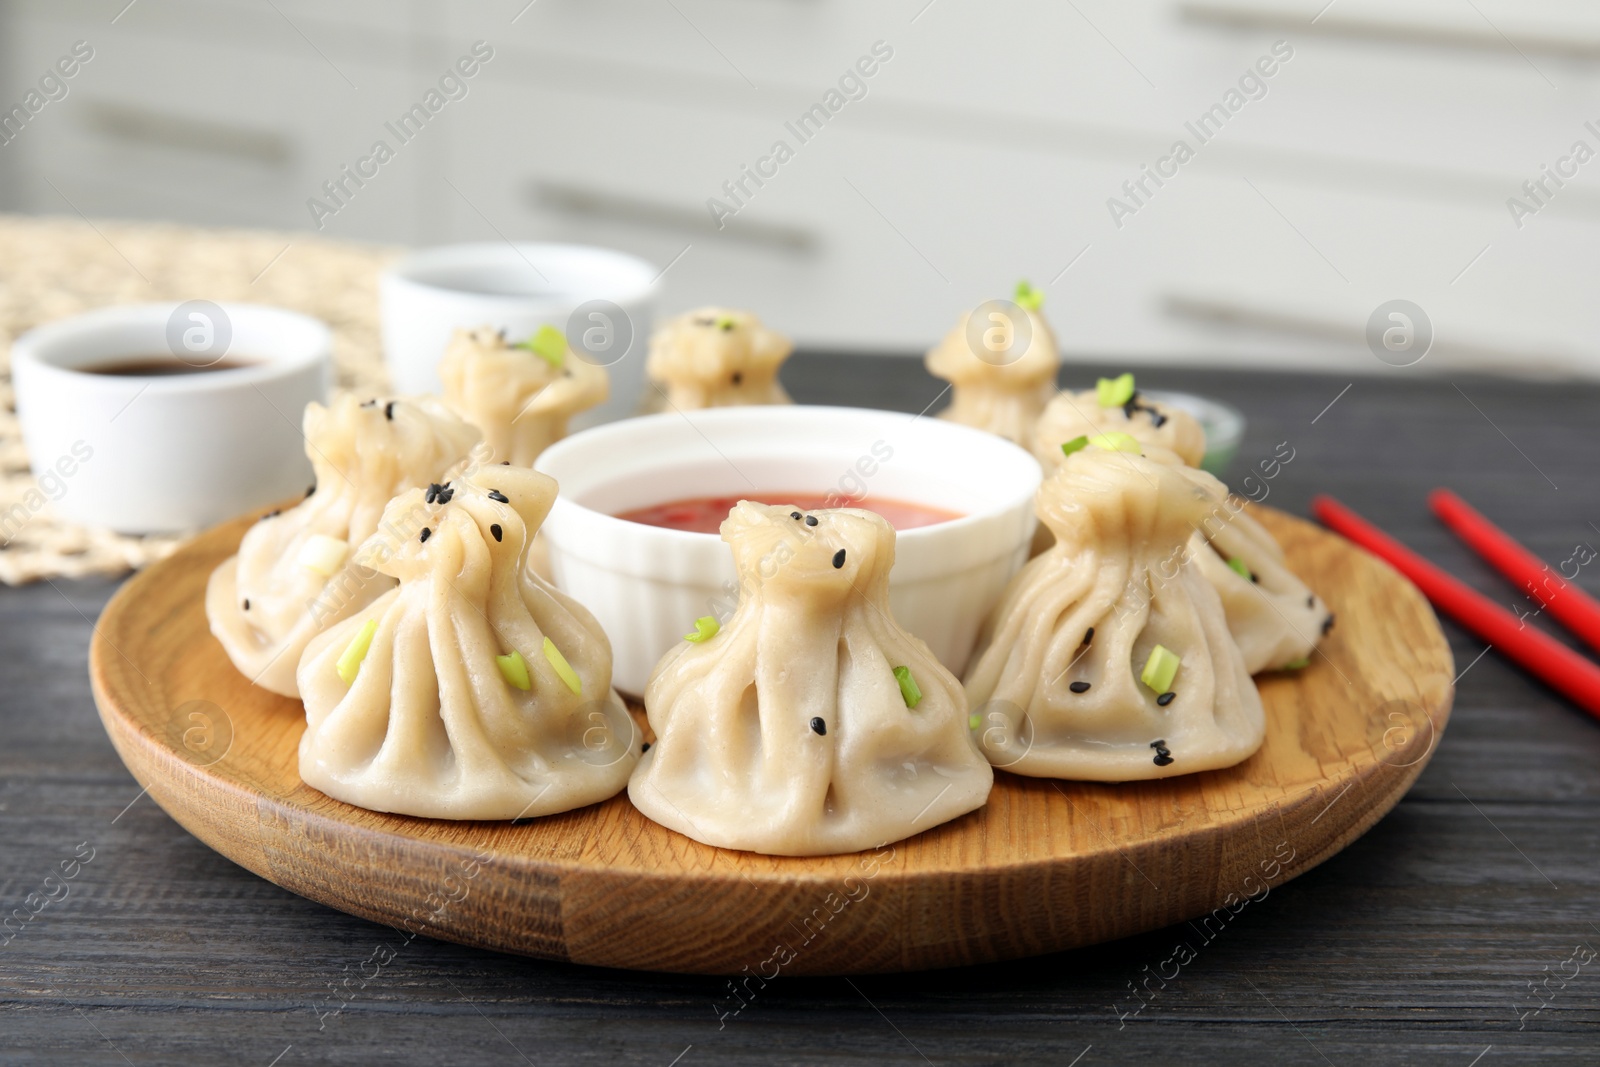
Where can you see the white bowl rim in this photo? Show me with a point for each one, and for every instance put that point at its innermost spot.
(915, 535)
(636, 277)
(25, 350)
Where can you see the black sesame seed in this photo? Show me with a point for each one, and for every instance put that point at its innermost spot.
(505, 463)
(1079, 687)
(738, 377)
(1327, 625)
(311, 489)
(1311, 601)
(645, 747)
(1089, 636)
(838, 559)
(811, 520)
(495, 529)
(247, 603)
(445, 493)
(370, 403)
(388, 410)
(495, 494)
(1165, 698)
(1157, 419)
(432, 494)
(818, 726)
(1254, 577)
(794, 515)
(426, 533)
(1162, 759)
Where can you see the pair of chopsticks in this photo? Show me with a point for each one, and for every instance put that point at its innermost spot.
(1564, 670)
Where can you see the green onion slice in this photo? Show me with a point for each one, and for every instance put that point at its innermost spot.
(1236, 565)
(1117, 441)
(1160, 669)
(725, 322)
(1069, 447)
(1297, 665)
(1114, 392)
(349, 664)
(974, 721)
(563, 668)
(514, 669)
(549, 344)
(705, 628)
(909, 691)
(1028, 297)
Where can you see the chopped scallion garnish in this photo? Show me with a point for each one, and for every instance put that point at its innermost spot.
(323, 554)
(549, 344)
(1079, 442)
(725, 322)
(705, 628)
(1117, 441)
(563, 668)
(1298, 664)
(1114, 392)
(1028, 297)
(514, 669)
(974, 721)
(1160, 669)
(349, 664)
(909, 690)
(1237, 566)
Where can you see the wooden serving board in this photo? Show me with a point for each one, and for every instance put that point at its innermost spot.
(1044, 866)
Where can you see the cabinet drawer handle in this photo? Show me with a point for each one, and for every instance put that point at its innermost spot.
(587, 202)
(162, 128)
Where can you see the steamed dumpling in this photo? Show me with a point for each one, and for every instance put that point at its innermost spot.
(1072, 415)
(993, 388)
(296, 573)
(715, 357)
(1062, 684)
(787, 732)
(1273, 615)
(519, 397)
(474, 690)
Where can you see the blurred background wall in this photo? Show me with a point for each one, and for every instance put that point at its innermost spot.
(1379, 159)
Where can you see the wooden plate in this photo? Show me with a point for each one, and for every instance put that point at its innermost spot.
(1044, 866)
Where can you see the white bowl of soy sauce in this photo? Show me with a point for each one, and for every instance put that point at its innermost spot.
(157, 418)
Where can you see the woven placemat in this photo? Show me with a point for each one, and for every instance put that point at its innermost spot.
(51, 268)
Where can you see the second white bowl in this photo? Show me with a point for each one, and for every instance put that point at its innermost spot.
(646, 584)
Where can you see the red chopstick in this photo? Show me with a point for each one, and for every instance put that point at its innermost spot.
(1558, 666)
(1572, 607)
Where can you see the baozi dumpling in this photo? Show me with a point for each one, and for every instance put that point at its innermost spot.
(1154, 425)
(992, 387)
(519, 396)
(788, 731)
(295, 573)
(1074, 677)
(474, 690)
(715, 357)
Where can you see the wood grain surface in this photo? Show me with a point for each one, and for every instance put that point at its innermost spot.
(1422, 943)
(1044, 866)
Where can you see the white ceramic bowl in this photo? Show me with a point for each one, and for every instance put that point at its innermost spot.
(647, 584)
(603, 300)
(146, 455)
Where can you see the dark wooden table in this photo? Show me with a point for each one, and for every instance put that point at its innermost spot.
(1461, 930)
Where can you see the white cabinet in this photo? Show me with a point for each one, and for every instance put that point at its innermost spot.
(1374, 163)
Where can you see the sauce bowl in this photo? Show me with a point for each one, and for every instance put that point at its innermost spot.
(648, 584)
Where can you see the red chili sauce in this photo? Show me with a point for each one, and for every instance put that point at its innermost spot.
(704, 514)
